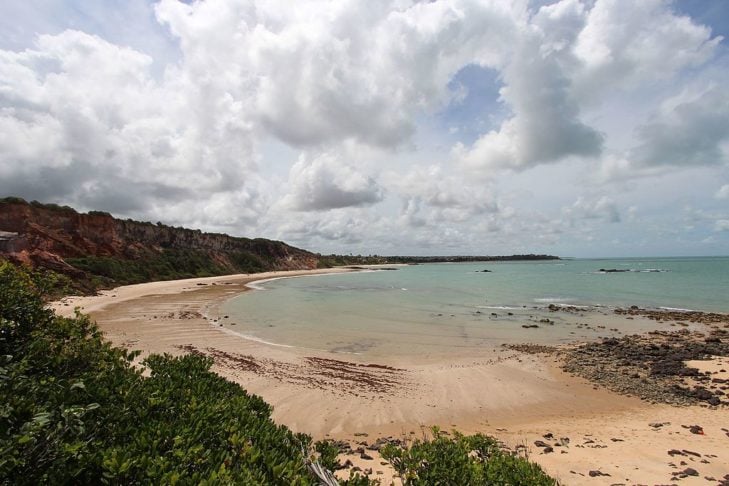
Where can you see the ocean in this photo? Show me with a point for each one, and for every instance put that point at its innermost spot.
(458, 308)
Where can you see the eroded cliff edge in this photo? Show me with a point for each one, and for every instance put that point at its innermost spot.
(99, 250)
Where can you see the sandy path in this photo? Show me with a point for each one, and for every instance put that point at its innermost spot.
(517, 398)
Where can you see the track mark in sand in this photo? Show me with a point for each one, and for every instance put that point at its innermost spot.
(335, 376)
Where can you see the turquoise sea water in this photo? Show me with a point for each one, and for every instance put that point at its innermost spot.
(450, 307)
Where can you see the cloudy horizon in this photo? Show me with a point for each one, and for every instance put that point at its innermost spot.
(575, 128)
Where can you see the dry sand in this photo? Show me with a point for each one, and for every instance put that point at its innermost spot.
(515, 397)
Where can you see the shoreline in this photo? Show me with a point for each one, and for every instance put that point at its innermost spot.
(513, 396)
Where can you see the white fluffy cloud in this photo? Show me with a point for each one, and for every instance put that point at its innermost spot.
(433, 196)
(84, 120)
(315, 72)
(546, 125)
(624, 44)
(327, 182)
(355, 92)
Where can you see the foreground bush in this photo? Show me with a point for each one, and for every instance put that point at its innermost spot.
(462, 460)
(73, 410)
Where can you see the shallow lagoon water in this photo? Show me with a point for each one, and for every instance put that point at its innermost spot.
(459, 309)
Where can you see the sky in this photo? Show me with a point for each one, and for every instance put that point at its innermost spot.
(590, 128)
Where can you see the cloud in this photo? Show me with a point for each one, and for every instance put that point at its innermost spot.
(344, 226)
(85, 121)
(570, 59)
(432, 195)
(723, 192)
(624, 44)
(690, 129)
(316, 72)
(326, 182)
(177, 124)
(603, 208)
(721, 225)
(545, 126)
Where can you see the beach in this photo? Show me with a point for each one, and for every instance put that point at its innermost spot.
(596, 436)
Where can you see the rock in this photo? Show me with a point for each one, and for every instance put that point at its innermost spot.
(548, 449)
(365, 456)
(596, 473)
(689, 471)
(540, 443)
(696, 429)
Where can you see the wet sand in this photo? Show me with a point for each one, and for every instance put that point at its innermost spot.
(515, 397)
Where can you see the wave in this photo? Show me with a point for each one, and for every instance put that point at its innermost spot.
(553, 300)
(560, 304)
(257, 285)
(678, 309)
(498, 307)
(254, 338)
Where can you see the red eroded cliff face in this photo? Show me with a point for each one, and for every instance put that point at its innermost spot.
(46, 235)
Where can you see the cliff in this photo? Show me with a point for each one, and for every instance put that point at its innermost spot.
(97, 249)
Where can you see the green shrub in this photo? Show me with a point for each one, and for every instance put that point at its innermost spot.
(73, 409)
(328, 453)
(462, 460)
(167, 265)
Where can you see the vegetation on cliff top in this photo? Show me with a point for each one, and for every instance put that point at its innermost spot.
(75, 410)
(172, 264)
